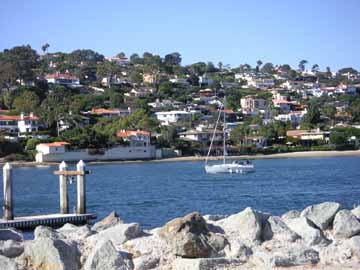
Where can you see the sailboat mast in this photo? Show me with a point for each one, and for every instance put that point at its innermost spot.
(224, 130)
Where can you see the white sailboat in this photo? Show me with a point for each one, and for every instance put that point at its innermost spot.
(225, 167)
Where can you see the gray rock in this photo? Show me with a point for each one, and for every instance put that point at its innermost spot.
(75, 233)
(214, 217)
(356, 212)
(105, 256)
(338, 253)
(276, 229)
(45, 232)
(11, 248)
(47, 253)
(7, 264)
(288, 257)
(321, 214)
(354, 243)
(111, 220)
(238, 250)
(148, 251)
(345, 224)
(307, 231)
(245, 226)
(206, 264)
(274, 254)
(117, 234)
(11, 234)
(190, 237)
(290, 215)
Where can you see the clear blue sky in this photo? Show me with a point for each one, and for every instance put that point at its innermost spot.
(326, 32)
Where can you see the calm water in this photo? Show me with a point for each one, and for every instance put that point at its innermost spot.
(153, 193)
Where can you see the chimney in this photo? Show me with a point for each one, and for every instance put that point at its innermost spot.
(31, 115)
(22, 116)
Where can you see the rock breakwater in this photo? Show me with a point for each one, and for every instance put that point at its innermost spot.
(322, 236)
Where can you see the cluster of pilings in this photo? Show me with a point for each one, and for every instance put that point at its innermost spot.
(63, 174)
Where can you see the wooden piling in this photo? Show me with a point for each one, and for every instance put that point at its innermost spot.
(8, 192)
(64, 200)
(81, 189)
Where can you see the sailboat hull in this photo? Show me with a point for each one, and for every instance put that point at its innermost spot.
(229, 168)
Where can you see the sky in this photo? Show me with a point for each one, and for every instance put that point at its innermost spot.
(323, 32)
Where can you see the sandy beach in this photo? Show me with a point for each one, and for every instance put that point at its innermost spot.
(308, 154)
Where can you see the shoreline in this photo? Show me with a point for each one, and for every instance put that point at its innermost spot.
(305, 154)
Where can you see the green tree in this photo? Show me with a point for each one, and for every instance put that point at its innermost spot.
(27, 102)
(21, 61)
(312, 116)
(267, 68)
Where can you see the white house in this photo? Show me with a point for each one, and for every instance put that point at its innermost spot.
(58, 151)
(171, 117)
(120, 61)
(205, 80)
(135, 137)
(110, 113)
(63, 78)
(181, 81)
(295, 117)
(309, 135)
(261, 83)
(252, 106)
(141, 92)
(201, 134)
(19, 123)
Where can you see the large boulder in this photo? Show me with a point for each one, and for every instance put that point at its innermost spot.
(11, 234)
(11, 248)
(47, 253)
(45, 232)
(105, 256)
(276, 229)
(207, 264)
(7, 264)
(321, 214)
(345, 224)
(117, 234)
(245, 226)
(238, 250)
(75, 233)
(337, 253)
(111, 220)
(149, 251)
(190, 237)
(307, 231)
(286, 256)
(290, 215)
(356, 212)
(354, 243)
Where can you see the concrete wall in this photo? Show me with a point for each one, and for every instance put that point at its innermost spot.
(116, 153)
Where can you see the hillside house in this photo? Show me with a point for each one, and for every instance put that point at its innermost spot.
(19, 123)
(63, 79)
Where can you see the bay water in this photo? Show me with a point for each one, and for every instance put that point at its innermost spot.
(152, 193)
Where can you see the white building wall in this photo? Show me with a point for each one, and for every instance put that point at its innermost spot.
(116, 153)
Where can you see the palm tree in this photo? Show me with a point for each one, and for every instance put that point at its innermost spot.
(302, 64)
(315, 68)
(45, 47)
(258, 65)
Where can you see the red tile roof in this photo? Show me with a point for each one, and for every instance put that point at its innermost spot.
(55, 144)
(57, 75)
(17, 117)
(131, 133)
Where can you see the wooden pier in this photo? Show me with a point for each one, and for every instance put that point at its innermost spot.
(53, 220)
